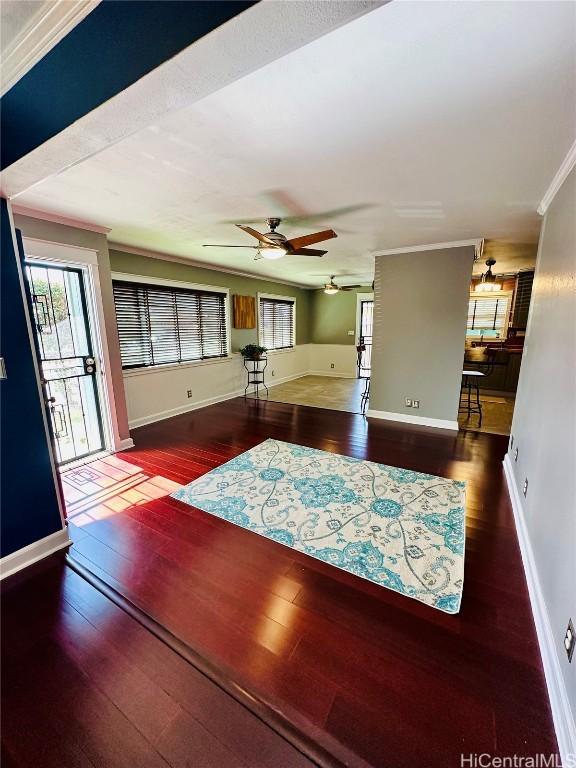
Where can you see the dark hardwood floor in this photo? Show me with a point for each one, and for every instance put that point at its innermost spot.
(395, 682)
(84, 684)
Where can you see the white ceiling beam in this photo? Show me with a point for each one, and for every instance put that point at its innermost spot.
(263, 33)
(33, 213)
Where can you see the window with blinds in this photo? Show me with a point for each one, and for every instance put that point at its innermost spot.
(488, 316)
(276, 323)
(158, 324)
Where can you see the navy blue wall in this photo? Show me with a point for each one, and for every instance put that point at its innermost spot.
(114, 46)
(28, 493)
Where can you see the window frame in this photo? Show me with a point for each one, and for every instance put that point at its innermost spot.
(276, 297)
(162, 282)
(479, 296)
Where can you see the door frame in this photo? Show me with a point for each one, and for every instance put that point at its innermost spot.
(86, 259)
(360, 297)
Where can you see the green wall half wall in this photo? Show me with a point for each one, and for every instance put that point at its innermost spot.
(320, 319)
(331, 317)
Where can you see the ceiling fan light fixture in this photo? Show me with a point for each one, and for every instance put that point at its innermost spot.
(331, 289)
(488, 281)
(272, 253)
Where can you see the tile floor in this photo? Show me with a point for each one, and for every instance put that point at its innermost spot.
(345, 394)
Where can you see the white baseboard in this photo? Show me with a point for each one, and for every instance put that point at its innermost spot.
(153, 417)
(178, 411)
(24, 557)
(124, 444)
(423, 421)
(562, 715)
(273, 381)
(333, 374)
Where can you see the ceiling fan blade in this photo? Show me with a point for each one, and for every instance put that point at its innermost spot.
(307, 252)
(349, 287)
(258, 235)
(317, 237)
(221, 245)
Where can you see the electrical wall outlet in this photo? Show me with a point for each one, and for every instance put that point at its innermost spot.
(189, 393)
(570, 640)
(408, 402)
(415, 403)
(350, 333)
(525, 487)
(516, 455)
(331, 365)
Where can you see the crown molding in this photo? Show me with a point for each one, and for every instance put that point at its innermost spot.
(476, 242)
(53, 20)
(203, 265)
(33, 213)
(567, 164)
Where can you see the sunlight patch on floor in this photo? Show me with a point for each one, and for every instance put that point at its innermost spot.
(109, 486)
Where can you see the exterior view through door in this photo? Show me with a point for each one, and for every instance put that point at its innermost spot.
(365, 338)
(68, 363)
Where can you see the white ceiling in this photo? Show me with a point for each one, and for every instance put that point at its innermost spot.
(446, 120)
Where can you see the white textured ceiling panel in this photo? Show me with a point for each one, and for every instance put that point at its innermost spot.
(446, 121)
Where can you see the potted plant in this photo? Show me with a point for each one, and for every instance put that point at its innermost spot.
(253, 352)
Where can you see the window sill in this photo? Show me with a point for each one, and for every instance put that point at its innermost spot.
(286, 351)
(128, 374)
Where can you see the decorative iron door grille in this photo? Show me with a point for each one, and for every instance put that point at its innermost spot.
(60, 317)
(366, 326)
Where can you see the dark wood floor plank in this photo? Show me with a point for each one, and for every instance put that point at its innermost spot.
(348, 659)
(97, 689)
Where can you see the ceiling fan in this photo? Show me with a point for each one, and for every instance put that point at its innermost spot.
(274, 245)
(331, 288)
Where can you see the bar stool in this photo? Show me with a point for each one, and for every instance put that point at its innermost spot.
(471, 384)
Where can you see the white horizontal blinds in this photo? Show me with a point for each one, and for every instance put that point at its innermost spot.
(277, 323)
(159, 325)
(487, 313)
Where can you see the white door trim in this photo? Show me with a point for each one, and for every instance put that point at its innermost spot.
(360, 297)
(59, 498)
(87, 259)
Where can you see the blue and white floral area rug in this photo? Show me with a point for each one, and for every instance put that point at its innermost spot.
(400, 529)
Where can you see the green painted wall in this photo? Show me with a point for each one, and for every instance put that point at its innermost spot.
(331, 317)
(130, 263)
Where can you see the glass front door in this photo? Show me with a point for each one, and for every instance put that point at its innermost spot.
(365, 338)
(67, 359)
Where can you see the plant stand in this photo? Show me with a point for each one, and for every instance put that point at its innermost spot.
(255, 375)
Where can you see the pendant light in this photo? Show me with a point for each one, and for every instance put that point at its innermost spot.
(488, 280)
